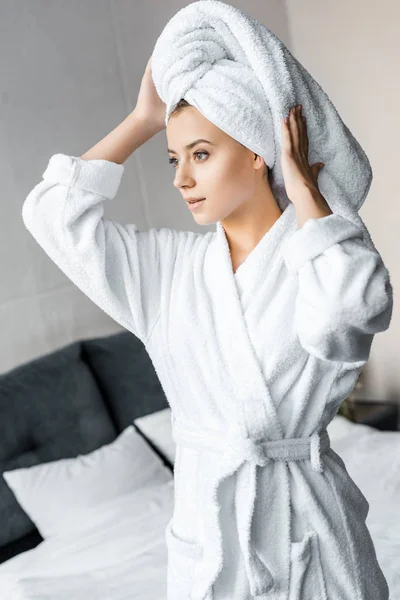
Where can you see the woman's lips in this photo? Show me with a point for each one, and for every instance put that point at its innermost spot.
(194, 205)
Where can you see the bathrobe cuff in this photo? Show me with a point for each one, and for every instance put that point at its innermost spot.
(315, 236)
(99, 176)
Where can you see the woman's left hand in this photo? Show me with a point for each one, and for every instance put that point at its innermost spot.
(298, 175)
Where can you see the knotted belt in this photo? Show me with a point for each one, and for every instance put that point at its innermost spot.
(235, 450)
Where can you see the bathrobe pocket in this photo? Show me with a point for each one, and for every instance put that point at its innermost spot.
(183, 558)
(307, 580)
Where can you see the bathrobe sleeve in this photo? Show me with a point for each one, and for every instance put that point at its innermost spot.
(120, 269)
(344, 294)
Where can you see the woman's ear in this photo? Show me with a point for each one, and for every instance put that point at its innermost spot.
(262, 164)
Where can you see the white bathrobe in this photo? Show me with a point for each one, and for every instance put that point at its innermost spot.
(254, 366)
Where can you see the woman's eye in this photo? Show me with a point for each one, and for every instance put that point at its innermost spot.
(172, 160)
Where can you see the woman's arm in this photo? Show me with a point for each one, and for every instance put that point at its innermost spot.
(147, 119)
(119, 268)
(124, 271)
(344, 292)
(122, 141)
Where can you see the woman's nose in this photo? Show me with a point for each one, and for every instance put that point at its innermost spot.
(182, 179)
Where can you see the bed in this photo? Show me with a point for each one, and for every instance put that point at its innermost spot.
(116, 549)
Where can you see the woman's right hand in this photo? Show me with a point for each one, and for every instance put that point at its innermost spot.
(149, 106)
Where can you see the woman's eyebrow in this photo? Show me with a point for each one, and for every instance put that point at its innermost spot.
(192, 144)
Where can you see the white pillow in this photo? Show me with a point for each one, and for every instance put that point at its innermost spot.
(158, 429)
(50, 493)
(341, 427)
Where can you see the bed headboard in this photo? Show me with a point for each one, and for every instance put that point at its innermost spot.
(68, 402)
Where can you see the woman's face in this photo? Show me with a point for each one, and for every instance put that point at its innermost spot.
(224, 172)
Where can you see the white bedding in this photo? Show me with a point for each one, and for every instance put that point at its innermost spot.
(372, 458)
(120, 552)
(119, 555)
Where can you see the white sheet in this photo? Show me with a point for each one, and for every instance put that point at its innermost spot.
(121, 554)
(372, 458)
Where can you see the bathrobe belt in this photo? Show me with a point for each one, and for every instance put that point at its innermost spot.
(234, 451)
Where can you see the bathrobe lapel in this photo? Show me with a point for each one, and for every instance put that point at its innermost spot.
(250, 413)
(252, 391)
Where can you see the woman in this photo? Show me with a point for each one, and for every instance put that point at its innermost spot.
(257, 333)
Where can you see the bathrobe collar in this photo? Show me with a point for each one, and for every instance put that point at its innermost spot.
(253, 397)
(250, 416)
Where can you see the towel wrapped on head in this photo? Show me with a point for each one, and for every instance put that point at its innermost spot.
(244, 80)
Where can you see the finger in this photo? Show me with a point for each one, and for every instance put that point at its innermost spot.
(303, 148)
(294, 129)
(305, 136)
(286, 139)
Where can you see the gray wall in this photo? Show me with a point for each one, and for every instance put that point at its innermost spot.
(71, 72)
